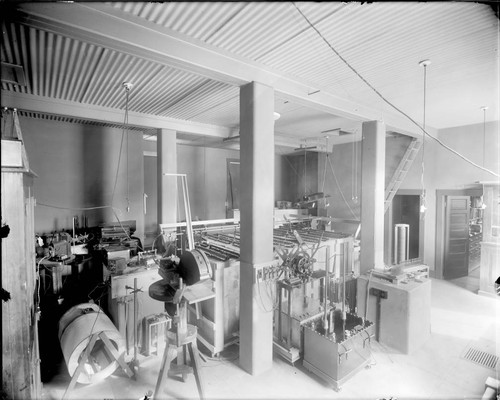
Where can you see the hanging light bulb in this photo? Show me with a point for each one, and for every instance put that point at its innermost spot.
(423, 207)
(483, 206)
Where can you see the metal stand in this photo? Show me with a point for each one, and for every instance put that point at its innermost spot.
(179, 347)
(184, 338)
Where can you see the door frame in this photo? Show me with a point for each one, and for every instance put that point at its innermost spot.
(388, 222)
(441, 221)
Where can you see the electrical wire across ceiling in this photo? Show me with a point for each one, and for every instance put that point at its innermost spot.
(389, 102)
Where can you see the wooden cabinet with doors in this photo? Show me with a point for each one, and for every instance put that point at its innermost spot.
(20, 354)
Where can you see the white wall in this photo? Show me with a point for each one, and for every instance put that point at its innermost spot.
(445, 170)
(76, 166)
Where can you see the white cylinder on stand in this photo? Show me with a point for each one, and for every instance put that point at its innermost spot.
(401, 242)
(76, 328)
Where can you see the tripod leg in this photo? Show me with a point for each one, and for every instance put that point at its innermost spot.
(114, 353)
(193, 353)
(168, 356)
(81, 365)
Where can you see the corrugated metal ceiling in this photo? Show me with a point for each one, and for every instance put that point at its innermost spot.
(383, 41)
(68, 69)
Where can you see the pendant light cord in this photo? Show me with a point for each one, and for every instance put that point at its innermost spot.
(354, 169)
(305, 171)
(126, 133)
(422, 178)
(124, 130)
(484, 135)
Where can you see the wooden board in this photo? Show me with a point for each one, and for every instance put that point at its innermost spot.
(11, 153)
(20, 374)
(199, 292)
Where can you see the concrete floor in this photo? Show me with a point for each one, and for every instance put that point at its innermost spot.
(459, 319)
(470, 282)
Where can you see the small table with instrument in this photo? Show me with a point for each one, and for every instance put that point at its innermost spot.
(184, 336)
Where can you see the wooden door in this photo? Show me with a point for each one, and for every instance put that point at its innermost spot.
(456, 239)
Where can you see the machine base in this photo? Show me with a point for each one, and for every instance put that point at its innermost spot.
(335, 384)
(336, 362)
(291, 355)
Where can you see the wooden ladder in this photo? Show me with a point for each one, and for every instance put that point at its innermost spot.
(400, 173)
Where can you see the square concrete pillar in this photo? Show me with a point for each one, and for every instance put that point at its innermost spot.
(166, 151)
(372, 196)
(256, 207)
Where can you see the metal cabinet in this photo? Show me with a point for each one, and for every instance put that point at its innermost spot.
(218, 318)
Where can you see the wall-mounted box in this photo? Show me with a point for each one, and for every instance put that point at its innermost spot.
(12, 153)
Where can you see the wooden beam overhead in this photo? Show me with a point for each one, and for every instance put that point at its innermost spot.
(47, 105)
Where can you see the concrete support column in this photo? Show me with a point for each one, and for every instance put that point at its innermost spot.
(166, 151)
(257, 205)
(372, 196)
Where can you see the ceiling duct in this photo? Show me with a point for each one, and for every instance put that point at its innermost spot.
(227, 139)
(13, 74)
(336, 132)
(306, 148)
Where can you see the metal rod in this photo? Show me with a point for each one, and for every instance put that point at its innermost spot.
(327, 283)
(187, 211)
(343, 273)
(135, 319)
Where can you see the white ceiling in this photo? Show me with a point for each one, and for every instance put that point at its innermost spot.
(187, 60)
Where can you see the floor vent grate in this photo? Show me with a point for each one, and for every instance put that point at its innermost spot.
(480, 357)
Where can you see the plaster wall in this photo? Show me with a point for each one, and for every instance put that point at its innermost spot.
(341, 176)
(445, 170)
(76, 167)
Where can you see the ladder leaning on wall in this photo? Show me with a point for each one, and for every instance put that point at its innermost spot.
(401, 170)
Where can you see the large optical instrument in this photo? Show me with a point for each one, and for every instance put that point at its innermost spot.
(313, 287)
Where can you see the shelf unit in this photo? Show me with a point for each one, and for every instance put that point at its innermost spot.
(475, 232)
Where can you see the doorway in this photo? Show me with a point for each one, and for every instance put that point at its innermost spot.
(404, 209)
(406, 213)
(458, 237)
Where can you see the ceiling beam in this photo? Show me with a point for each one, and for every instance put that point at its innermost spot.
(48, 105)
(107, 26)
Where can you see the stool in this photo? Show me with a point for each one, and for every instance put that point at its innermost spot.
(178, 345)
(182, 338)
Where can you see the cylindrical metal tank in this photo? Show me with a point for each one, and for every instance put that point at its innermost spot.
(401, 243)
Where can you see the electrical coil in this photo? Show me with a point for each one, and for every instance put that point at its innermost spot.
(76, 327)
(301, 265)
